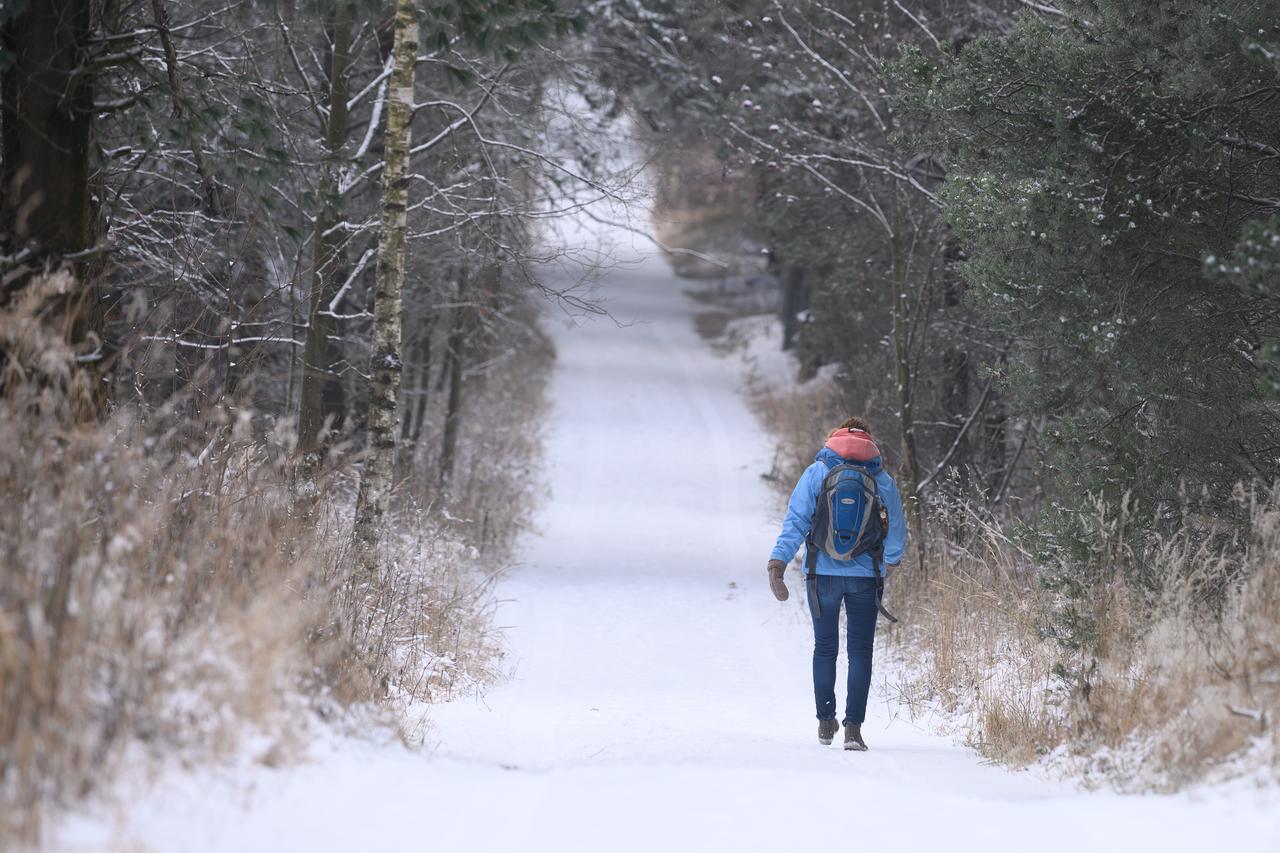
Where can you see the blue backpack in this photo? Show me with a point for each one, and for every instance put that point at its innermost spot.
(848, 521)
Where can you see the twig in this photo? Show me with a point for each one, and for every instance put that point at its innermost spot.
(1044, 8)
(955, 445)
(921, 24)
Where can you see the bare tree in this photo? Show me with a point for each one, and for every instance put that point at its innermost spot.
(377, 478)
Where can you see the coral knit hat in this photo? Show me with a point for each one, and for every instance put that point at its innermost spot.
(854, 444)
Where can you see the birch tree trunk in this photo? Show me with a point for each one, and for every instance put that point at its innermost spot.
(378, 477)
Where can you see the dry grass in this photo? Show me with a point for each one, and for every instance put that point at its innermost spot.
(147, 594)
(165, 592)
(796, 420)
(972, 638)
(173, 600)
(1171, 693)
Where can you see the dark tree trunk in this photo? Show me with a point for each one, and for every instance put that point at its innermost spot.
(795, 298)
(996, 441)
(458, 322)
(956, 368)
(955, 405)
(415, 404)
(321, 397)
(47, 125)
(46, 128)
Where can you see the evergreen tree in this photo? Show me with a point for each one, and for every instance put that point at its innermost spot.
(1098, 169)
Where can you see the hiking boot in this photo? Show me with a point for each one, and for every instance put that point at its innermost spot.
(826, 731)
(853, 737)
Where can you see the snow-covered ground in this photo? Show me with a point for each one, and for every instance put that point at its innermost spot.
(660, 698)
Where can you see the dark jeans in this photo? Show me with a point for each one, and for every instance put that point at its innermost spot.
(859, 598)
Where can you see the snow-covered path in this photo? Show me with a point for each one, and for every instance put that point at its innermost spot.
(660, 697)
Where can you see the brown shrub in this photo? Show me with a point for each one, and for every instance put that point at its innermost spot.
(163, 587)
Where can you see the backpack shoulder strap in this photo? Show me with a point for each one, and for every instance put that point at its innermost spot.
(820, 499)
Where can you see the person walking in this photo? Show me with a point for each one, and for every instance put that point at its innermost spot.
(847, 512)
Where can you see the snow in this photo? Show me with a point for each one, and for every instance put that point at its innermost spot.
(757, 340)
(660, 698)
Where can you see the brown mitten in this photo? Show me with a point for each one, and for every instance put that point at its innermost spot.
(776, 570)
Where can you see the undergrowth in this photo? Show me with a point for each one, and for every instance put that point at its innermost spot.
(167, 591)
(1170, 691)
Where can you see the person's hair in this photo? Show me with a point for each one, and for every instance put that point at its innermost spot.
(856, 423)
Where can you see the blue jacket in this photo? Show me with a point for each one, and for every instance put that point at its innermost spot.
(800, 516)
